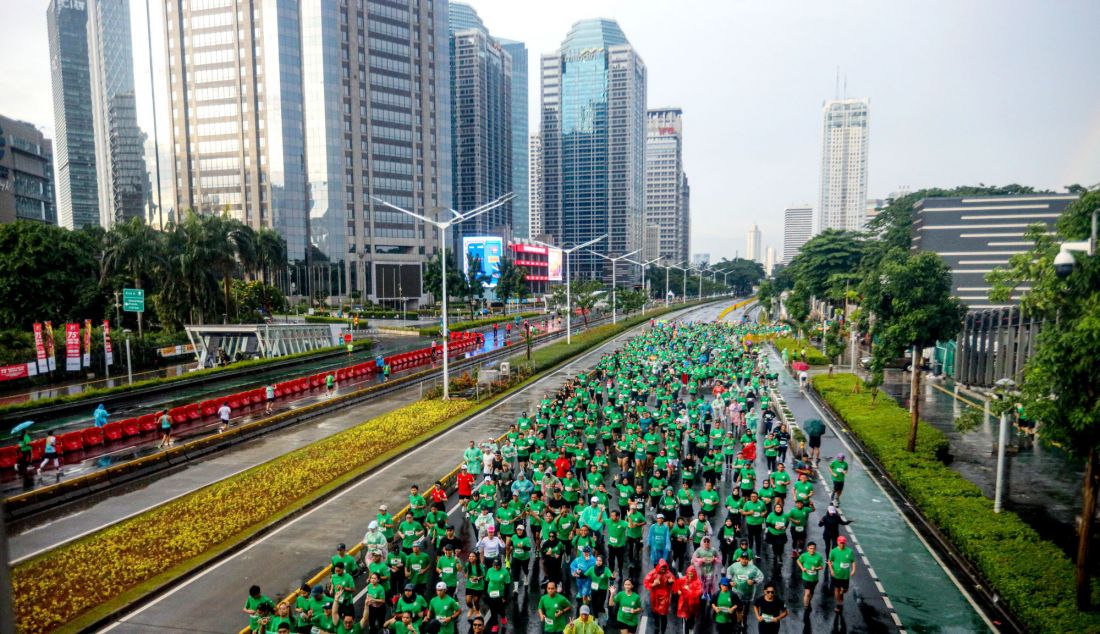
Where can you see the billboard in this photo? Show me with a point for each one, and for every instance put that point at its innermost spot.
(553, 258)
(486, 249)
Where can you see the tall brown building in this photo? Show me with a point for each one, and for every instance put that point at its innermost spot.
(26, 173)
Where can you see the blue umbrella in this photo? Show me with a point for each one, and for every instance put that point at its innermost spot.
(21, 426)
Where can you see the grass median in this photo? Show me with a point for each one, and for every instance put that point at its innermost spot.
(1032, 576)
(77, 584)
(796, 346)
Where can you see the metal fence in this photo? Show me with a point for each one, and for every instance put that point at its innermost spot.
(994, 344)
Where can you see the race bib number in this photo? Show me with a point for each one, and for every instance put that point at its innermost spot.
(845, 565)
(448, 571)
(494, 594)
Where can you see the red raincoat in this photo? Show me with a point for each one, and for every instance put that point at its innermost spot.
(749, 451)
(659, 583)
(690, 589)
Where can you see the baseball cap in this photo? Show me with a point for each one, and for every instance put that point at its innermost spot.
(491, 529)
(382, 507)
(341, 546)
(660, 516)
(409, 587)
(440, 586)
(842, 540)
(594, 499)
(586, 610)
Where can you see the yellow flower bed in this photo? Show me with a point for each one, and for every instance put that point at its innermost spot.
(58, 586)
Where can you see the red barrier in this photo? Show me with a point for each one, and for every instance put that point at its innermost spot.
(70, 442)
(93, 436)
(130, 428)
(193, 411)
(9, 456)
(38, 448)
(177, 414)
(147, 423)
(208, 408)
(113, 431)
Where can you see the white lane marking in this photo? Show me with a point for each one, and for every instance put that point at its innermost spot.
(878, 585)
(924, 542)
(886, 600)
(555, 376)
(897, 621)
(642, 623)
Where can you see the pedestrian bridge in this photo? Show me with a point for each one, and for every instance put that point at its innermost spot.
(228, 343)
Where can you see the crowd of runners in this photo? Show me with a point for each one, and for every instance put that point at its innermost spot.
(660, 488)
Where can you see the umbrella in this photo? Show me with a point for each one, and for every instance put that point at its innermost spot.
(814, 427)
(21, 426)
(799, 366)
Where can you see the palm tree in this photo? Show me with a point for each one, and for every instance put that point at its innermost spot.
(131, 248)
(270, 252)
(232, 246)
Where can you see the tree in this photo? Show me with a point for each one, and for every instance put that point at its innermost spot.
(270, 251)
(232, 247)
(585, 295)
(131, 248)
(630, 300)
(1061, 387)
(827, 263)
(913, 307)
(513, 282)
(254, 298)
(47, 272)
(456, 280)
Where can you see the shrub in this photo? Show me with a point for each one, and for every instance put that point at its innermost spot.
(795, 346)
(1033, 577)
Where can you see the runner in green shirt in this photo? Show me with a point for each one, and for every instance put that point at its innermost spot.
(444, 609)
(811, 563)
(842, 565)
(725, 605)
(629, 606)
(839, 470)
(553, 610)
(418, 564)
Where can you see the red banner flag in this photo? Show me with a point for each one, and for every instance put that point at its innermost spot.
(107, 342)
(40, 348)
(72, 347)
(87, 343)
(51, 351)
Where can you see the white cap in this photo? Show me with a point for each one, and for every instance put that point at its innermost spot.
(440, 586)
(372, 526)
(594, 499)
(382, 508)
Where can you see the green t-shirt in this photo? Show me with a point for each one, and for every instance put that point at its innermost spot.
(798, 518)
(448, 570)
(780, 481)
(416, 606)
(777, 523)
(842, 560)
(813, 563)
(754, 512)
(616, 533)
(726, 610)
(550, 606)
(803, 490)
(418, 566)
(445, 606)
(496, 580)
(599, 581)
(708, 500)
(635, 532)
(629, 608)
(409, 532)
(839, 469)
(521, 548)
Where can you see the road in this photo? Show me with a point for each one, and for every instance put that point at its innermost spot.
(210, 601)
(922, 593)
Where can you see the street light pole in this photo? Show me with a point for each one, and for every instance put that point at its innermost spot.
(666, 285)
(614, 288)
(1003, 385)
(645, 282)
(442, 226)
(569, 284)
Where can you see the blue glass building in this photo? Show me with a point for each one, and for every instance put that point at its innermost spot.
(593, 145)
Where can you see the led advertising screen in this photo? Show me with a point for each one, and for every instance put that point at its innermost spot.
(488, 250)
(553, 258)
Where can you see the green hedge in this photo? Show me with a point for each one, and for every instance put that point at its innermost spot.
(96, 393)
(433, 331)
(1033, 577)
(813, 355)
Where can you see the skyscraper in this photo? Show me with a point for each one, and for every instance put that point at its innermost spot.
(237, 128)
(769, 260)
(481, 130)
(26, 173)
(798, 228)
(74, 151)
(535, 190)
(119, 143)
(666, 198)
(593, 145)
(274, 119)
(845, 136)
(521, 215)
(753, 244)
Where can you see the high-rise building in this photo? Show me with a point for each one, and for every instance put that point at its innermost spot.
(845, 136)
(26, 173)
(652, 242)
(119, 142)
(798, 228)
(753, 244)
(293, 114)
(769, 260)
(700, 260)
(593, 145)
(521, 215)
(77, 190)
(237, 130)
(666, 199)
(535, 189)
(481, 117)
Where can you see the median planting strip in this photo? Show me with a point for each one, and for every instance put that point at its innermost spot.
(1032, 576)
(796, 346)
(78, 584)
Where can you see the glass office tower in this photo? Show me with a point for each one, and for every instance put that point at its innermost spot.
(593, 145)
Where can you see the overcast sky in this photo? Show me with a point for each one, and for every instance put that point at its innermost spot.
(962, 92)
